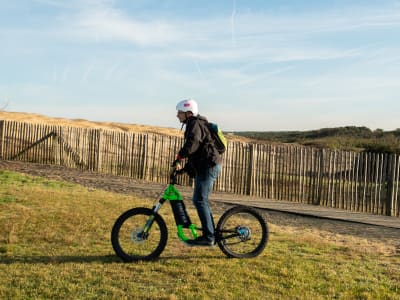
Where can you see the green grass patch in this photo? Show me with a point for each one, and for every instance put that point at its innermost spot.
(7, 199)
(55, 244)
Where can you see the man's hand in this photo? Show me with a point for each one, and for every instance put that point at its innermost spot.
(176, 166)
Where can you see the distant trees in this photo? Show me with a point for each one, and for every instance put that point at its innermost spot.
(386, 143)
(344, 138)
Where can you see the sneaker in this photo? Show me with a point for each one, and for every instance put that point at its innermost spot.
(201, 241)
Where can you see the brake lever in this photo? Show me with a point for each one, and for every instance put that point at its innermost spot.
(173, 176)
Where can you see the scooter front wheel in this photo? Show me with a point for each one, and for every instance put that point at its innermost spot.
(132, 241)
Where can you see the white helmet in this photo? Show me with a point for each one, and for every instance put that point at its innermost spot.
(188, 105)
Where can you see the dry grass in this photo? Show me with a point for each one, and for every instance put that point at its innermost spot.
(354, 236)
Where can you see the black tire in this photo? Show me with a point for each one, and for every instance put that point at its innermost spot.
(242, 232)
(126, 239)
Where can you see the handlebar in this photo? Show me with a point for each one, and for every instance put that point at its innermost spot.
(174, 174)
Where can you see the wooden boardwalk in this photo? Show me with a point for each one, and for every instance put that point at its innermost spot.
(309, 210)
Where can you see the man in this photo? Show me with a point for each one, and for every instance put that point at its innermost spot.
(203, 157)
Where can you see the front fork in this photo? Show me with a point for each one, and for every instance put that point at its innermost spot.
(150, 221)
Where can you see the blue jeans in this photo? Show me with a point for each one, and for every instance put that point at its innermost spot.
(203, 184)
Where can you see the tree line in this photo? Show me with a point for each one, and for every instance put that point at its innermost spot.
(349, 138)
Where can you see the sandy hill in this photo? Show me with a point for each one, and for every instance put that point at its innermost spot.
(41, 119)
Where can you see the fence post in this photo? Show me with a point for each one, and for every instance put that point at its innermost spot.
(320, 176)
(143, 156)
(99, 148)
(1, 138)
(389, 184)
(249, 176)
(272, 171)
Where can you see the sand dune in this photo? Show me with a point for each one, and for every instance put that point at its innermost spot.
(41, 119)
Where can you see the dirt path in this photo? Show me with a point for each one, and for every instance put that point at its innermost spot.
(368, 238)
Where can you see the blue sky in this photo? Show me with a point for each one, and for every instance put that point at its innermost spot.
(251, 65)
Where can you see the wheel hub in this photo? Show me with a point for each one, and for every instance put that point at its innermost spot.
(138, 236)
(244, 233)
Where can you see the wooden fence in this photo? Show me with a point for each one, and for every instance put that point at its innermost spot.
(362, 182)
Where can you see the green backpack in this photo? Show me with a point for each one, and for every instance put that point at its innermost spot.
(218, 137)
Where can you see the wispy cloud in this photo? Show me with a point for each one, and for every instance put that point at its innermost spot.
(108, 24)
(260, 34)
(233, 15)
(264, 76)
(4, 102)
(353, 18)
(87, 72)
(110, 73)
(61, 77)
(270, 54)
(76, 4)
(197, 66)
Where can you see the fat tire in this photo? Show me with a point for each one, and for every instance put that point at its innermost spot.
(115, 238)
(221, 241)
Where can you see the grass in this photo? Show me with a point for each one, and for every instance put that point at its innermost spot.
(55, 243)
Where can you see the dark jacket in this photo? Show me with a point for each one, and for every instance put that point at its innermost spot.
(198, 146)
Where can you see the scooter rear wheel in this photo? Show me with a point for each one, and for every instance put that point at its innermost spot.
(242, 232)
